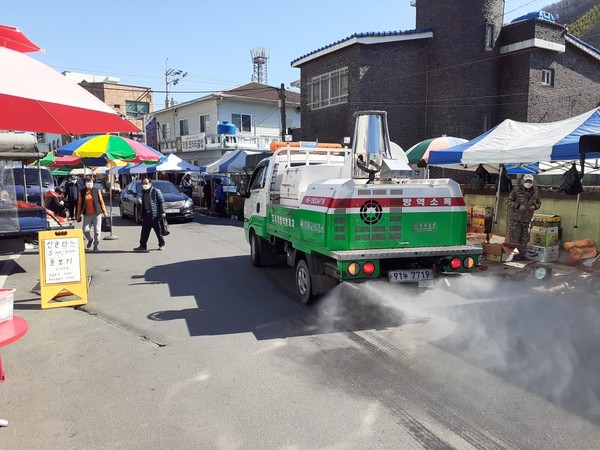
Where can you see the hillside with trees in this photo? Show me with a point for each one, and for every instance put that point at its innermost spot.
(582, 17)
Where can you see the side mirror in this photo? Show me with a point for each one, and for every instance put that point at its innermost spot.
(242, 191)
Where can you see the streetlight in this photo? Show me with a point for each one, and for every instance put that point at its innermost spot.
(172, 76)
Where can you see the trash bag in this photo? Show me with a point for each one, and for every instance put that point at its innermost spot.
(164, 226)
(480, 178)
(106, 226)
(571, 182)
(505, 182)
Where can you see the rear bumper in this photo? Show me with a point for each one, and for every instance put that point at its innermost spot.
(414, 252)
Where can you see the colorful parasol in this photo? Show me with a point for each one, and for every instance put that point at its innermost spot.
(419, 153)
(111, 148)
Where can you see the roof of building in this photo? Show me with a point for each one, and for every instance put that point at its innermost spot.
(259, 91)
(373, 37)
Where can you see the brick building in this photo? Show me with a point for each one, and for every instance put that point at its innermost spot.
(130, 101)
(459, 73)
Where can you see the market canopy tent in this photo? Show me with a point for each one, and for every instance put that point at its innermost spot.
(172, 163)
(519, 142)
(233, 161)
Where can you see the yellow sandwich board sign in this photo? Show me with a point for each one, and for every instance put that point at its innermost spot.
(63, 276)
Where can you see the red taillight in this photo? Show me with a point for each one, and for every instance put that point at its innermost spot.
(455, 263)
(368, 268)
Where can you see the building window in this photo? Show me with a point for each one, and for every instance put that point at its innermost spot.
(548, 77)
(328, 89)
(203, 123)
(164, 128)
(487, 122)
(136, 109)
(183, 127)
(489, 36)
(243, 122)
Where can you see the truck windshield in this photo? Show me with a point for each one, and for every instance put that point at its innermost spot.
(32, 177)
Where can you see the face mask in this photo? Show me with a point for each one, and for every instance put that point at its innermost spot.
(145, 186)
(528, 185)
(89, 185)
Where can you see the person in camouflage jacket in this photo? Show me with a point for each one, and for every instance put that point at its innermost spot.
(522, 202)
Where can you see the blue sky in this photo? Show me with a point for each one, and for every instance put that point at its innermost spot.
(209, 40)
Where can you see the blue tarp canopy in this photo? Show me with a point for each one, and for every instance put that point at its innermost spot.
(233, 161)
(520, 143)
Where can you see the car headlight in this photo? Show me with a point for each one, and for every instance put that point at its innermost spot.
(188, 203)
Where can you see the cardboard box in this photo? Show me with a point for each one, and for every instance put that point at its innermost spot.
(544, 236)
(469, 215)
(542, 254)
(498, 252)
(545, 220)
(7, 301)
(485, 212)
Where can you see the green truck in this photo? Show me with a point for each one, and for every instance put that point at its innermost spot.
(354, 214)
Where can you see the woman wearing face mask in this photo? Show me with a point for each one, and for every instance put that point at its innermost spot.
(522, 201)
(90, 204)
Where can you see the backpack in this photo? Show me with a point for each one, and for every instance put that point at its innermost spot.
(571, 182)
(480, 178)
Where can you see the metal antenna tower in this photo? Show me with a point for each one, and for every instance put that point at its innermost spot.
(260, 57)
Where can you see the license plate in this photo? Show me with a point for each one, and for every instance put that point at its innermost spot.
(169, 211)
(410, 275)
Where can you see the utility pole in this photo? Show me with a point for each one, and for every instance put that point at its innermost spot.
(281, 92)
(172, 76)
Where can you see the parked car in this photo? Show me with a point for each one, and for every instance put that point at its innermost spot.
(229, 186)
(177, 204)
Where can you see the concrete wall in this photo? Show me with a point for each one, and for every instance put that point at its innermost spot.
(588, 223)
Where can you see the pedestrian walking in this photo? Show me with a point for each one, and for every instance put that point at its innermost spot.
(72, 189)
(207, 193)
(522, 201)
(90, 206)
(220, 198)
(153, 209)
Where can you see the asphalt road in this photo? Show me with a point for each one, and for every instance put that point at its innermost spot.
(194, 348)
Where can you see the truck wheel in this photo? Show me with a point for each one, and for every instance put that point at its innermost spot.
(255, 253)
(303, 282)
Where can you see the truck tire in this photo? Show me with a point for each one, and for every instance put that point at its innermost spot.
(255, 252)
(303, 282)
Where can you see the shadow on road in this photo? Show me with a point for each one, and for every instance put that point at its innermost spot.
(234, 297)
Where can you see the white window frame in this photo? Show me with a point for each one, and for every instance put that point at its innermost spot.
(328, 89)
(184, 128)
(548, 77)
(238, 120)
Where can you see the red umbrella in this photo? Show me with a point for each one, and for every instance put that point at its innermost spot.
(11, 37)
(34, 97)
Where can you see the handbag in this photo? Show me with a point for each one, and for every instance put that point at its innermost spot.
(164, 226)
(106, 225)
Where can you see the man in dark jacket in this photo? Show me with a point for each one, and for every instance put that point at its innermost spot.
(72, 195)
(220, 198)
(522, 202)
(153, 209)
